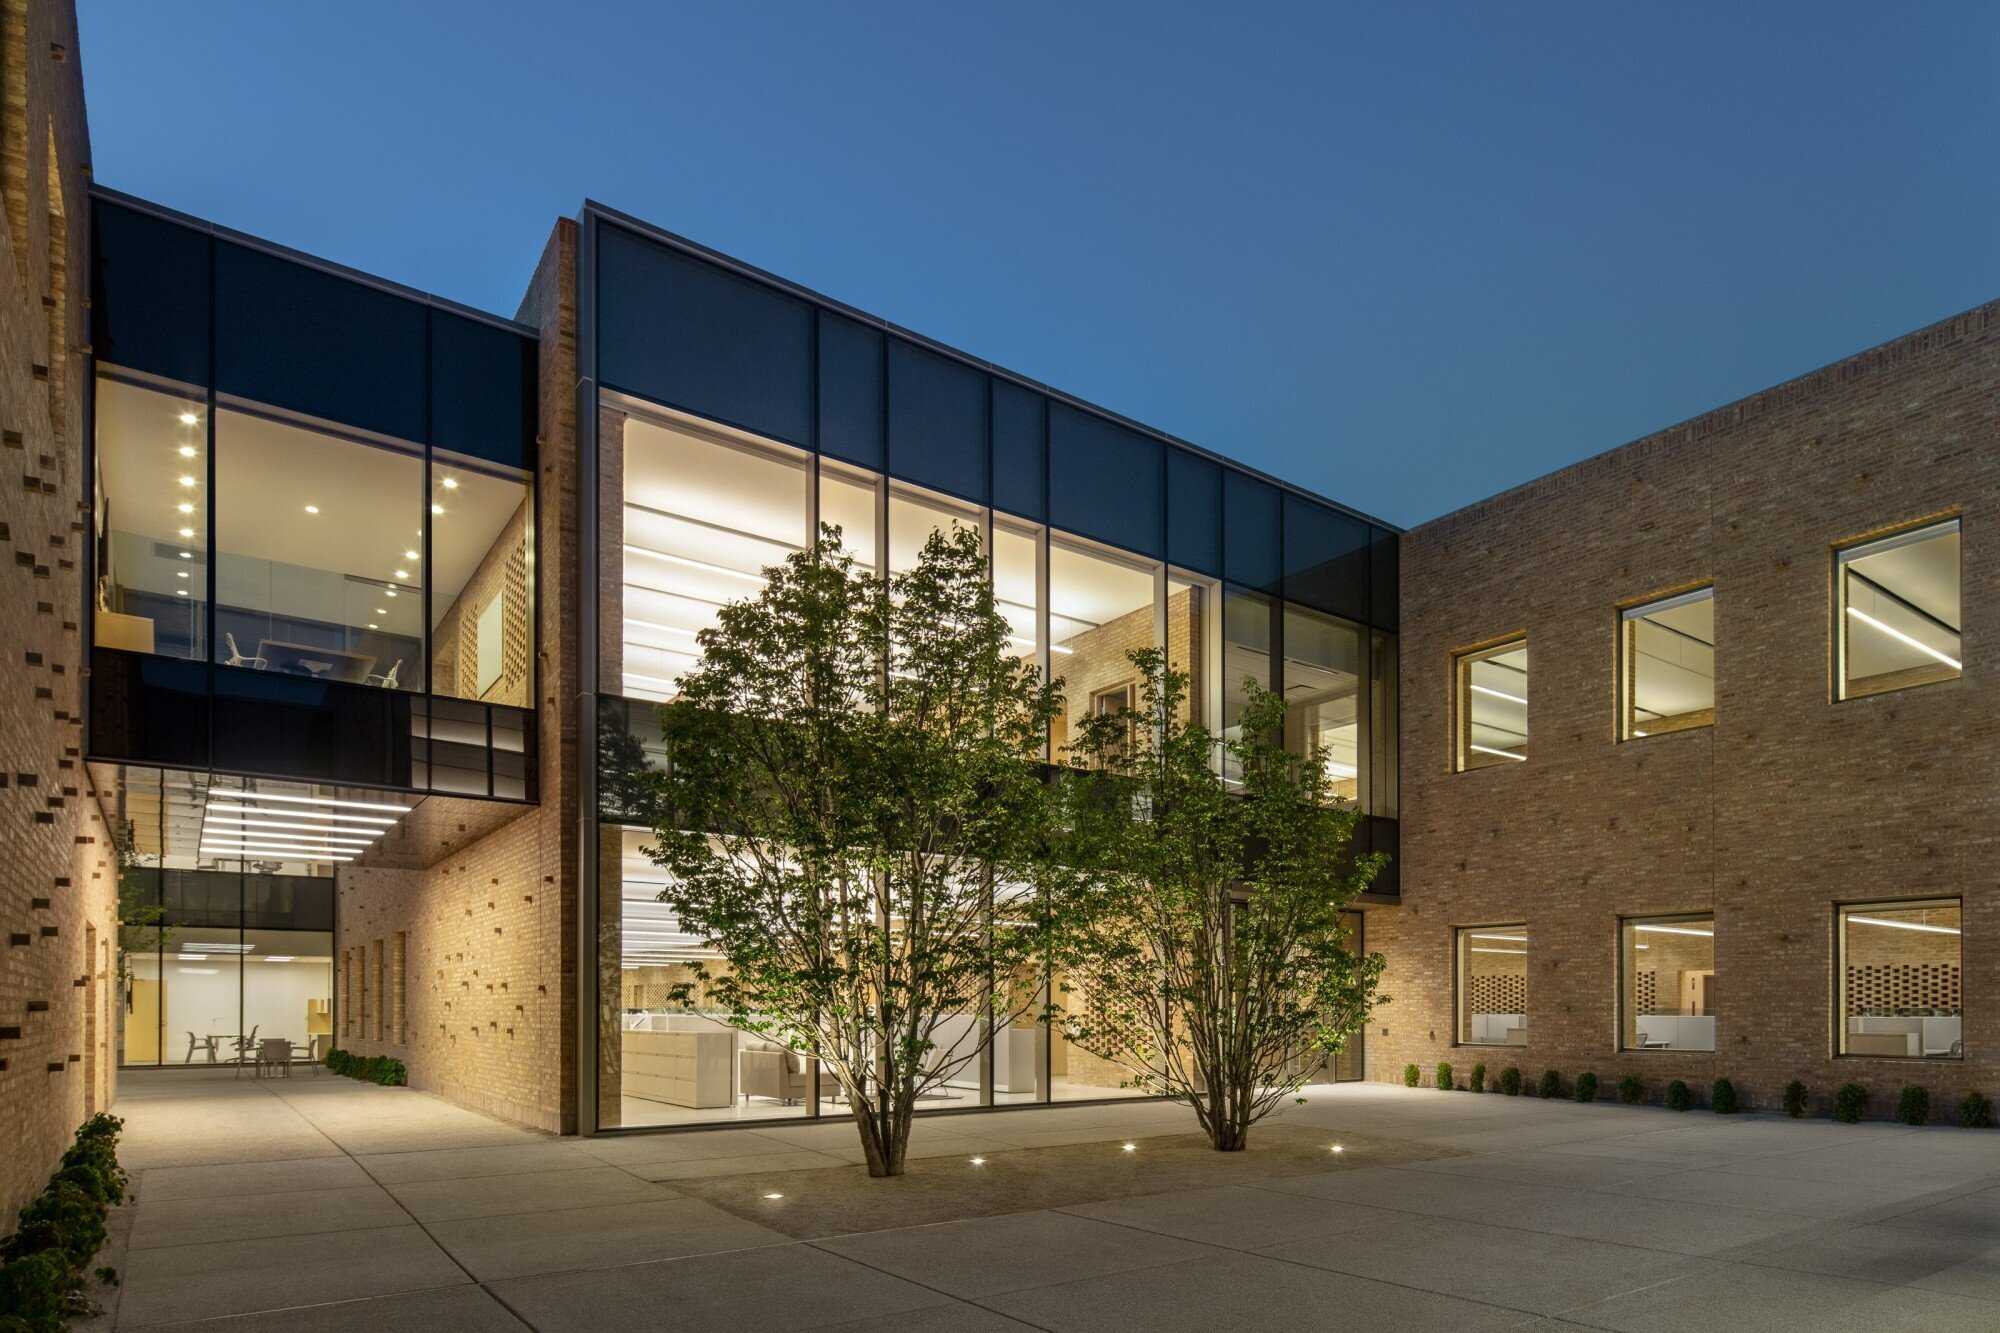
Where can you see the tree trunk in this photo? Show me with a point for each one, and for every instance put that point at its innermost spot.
(885, 1136)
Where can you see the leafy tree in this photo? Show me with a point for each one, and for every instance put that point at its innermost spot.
(1217, 970)
(857, 819)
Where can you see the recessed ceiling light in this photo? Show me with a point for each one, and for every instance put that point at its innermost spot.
(437, 509)
(187, 451)
(312, 509)
(187, 555)
(402, 573)
(373, 625)
(411, 555)
(391, 592)
(187, 532)
(181, 575)
(381, 610)
(185, 481)
(185, 507)
(451, 483)
(181, 591)
(189, 418)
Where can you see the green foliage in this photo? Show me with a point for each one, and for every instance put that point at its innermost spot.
(1849, 1103)
(384, 1069)
(1219, 968)
(1975, 1111)
(1477, 1082)
(1586, 1087)
(1795, 1099)
(1444, 1082)
(1913, 1107)
(1552, 1084)
(1722, 1097)
(43, 1263)
(1412, 1076)
(1678, 1096)
(1510, 1081)
(1631, 1090)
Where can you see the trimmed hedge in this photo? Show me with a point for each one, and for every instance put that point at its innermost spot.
(1795, 1099)
(1631, 1090)
(1510, 1081)
(1678, 1096)
(1412, 1076)
(1849, 1103)
(1477, 1083)
(1552, 1084)
(1586, 1087)
(384, 1069)
(1914, 1106)
(43, 1264)
(1444, 1077)
(1722, 1097)
(1975, 1112)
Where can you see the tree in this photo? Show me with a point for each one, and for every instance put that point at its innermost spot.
(1217, 970)
(857, 820)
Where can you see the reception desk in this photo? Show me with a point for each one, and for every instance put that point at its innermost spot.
(680, 1068)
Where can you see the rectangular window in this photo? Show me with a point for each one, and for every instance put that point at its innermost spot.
(1667, 971)
(1101, 608)
(1493, 986)
(1667, 680)
(1899, 978)
(1899, 611)
(151, 524)
(1492, 706)
(1247, 633)
(1325, 707)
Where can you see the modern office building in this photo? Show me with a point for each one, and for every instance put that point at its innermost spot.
(344, 613)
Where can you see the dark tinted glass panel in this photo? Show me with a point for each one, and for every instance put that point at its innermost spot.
(1326, 558)
(266, 723)
(482, 390)
(148, 708)
(1250, 531)
(937, 421)
(149, 294)
(683, 332)
(1384, 571)
(1020, 450)
(296, 337)
(1104, 480)
(850, 391)
(1194, 511)
(288, 902)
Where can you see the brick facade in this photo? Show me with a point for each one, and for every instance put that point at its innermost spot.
(1788, 804)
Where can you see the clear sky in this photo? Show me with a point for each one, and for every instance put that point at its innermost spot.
(1405, 255)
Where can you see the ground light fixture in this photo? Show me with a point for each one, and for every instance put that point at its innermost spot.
(1336, 1148)
(774, 1195)
(1131, 1147)
(979, 1161)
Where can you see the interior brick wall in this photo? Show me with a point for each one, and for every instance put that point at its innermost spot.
(1788, 805)
(505, 571)
(59, 1007)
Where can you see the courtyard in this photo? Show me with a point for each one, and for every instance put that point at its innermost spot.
(324, 1203)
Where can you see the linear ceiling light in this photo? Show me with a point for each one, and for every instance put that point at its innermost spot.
(318, 832)
(1480, 949)
(217, 806)
(1901, 637)
(1500, 694)
(273, 854)
(309, 800)
(1482, 935)
(1504, 754)
(693, 564)
(1678, 930)
(221, 838)
(1903, 925)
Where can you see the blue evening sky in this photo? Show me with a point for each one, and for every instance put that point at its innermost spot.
(1404, 255)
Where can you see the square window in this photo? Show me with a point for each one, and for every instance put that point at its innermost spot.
(1493, 986)
(1667, 983)
(1667, 677)
(1492, 706)
(1899, 978)
(1898, 611)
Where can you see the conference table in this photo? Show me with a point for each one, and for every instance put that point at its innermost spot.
(305, 659)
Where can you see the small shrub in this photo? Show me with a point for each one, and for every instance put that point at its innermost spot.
(1444, 1076)
(1412, 1076)
(1477, 1082)
(1914, 1106)
(1678, 1096)
(1552, 1084)
(1631, 1090)
(1510, 1081)
(383, 1069)
(1795, 1099)
(1975, 1112)
(1586, 1087)
(1722, 1097)
(42, 1265)
(1849, 1103)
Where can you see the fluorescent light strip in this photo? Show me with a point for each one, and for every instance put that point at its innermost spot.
(318, 831)
(693, 564)
(225, 843)
(1504, 754)
(1482, 935)
(1478, 949)
(309, 855)
(1903, 925)
(235, 795)
(316, 816)
(1901, 637)
(1500, 694)
(1678, 930)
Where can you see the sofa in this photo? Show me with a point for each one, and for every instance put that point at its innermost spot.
(771, 1071)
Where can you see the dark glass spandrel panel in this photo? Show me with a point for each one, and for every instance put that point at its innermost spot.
(148, 709)
(937, 422)
(1020, 451)
(1250, 531)
(317, 730)
(148, 294)
(295, 337)
(850, 391)
(483, 386)
(688, 334)
(1194, 511)
(1104, 481)
(1384, 561)
(288, 902)
(1326, 559)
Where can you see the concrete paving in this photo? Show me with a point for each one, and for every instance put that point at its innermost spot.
(327, 1204)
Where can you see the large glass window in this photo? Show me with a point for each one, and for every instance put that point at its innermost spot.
(1667, 681)
(1101, 609)
(1246, 659)
(1899, 611)
(1900, 980)
(482, 561)
(847, 500)
(315, 529)
(1324, 705)
(1667, 966)
(1492, 705)
(1493, 986)
(1194, 645)
(152, 518)
(1017, 585)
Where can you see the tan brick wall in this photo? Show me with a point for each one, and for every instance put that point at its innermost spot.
(506, 571)
(1787, 805)
(58, 879)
